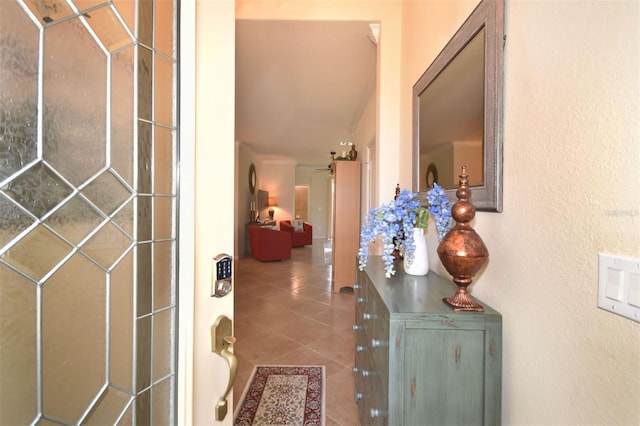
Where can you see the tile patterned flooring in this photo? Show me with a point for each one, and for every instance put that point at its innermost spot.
(286, 314)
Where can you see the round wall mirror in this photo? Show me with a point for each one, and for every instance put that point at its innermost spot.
(252, 178)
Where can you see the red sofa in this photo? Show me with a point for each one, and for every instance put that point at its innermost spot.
(269, 244)
(298, 238)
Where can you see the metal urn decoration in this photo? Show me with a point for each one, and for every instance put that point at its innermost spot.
(462, 251)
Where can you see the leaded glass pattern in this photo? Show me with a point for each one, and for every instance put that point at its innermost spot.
(163, 211)
(124, 218)
(18, 89)
(163, 295)
(106, 411)
(37, 189)
(164, 42)
(37, 253)
(121, 311)
(122, 113)
(76, 147)
(18, 328)
(15, 220)
(163, 100)
(164, 155)
(127, 11)
(75, 219)
(112, 35)
(162, 348)
(107, 245)
(145, 83)
(107, 192)
(87, 212)
(73, 338)
(49, 10)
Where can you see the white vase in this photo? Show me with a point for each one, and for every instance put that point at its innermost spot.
(420, 264)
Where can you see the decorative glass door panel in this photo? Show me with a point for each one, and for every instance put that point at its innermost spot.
(88, 211)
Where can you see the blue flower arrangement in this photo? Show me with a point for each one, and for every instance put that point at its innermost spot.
(395, 221)
(440, 208)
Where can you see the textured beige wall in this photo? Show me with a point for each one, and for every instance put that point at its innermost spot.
(278, 177)
(571, 178)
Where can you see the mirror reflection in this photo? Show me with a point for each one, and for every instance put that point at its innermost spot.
(451, 121)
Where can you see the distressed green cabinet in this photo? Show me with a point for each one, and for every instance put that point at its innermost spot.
(417, 361)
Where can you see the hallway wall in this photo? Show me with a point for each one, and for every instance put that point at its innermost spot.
(571, 178)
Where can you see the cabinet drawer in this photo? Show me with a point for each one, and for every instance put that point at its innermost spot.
(362, 384)
(371, 388)
(378, 339)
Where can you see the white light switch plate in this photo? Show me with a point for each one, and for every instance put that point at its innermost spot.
(619, 285)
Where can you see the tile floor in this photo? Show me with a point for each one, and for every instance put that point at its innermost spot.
(286, 314)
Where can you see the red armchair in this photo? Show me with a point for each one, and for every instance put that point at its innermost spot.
(269, 244)
(299, 238)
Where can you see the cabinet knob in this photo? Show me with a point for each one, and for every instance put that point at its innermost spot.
(355, 369)
(361, 300)
(367, 316)
(360, 348)
(357, 286)
(356, 327)
(367, 373)
(359, 396)
(375, 343)
(374, 412)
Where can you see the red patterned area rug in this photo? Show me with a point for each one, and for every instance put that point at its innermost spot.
(283, 395)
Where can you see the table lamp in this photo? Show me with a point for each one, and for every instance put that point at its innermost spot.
(271, 202)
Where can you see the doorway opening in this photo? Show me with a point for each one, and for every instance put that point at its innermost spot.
(301, 203)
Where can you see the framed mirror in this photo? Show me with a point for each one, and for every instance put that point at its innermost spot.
(457, 111)
(252, 178)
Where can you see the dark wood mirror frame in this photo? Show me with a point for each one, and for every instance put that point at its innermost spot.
(489, 14)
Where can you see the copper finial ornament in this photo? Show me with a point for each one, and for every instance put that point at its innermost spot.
(462, 251)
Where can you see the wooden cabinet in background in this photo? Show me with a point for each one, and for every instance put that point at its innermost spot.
(417, 361)
(346, 223)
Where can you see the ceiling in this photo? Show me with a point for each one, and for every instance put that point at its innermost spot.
(301, 86)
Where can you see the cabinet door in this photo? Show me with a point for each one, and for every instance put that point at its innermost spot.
(444, 376)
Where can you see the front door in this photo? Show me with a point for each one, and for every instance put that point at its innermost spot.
(88, 211)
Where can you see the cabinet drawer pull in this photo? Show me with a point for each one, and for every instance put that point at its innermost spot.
(413, 387)
(359, 396)
(374, 413)
(492, 347)
(367, 316)
(367, 373)
(457, 353)
(375, 343)
(398, 342)
(361, 300)
(356, 327)
(360, 348)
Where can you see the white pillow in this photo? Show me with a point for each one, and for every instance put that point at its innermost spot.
(297, 225)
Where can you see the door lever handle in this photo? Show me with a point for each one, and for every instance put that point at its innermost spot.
(221, 343)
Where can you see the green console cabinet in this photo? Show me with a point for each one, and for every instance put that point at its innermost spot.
(417, 361)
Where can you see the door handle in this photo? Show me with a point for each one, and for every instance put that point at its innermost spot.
(221, 343)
